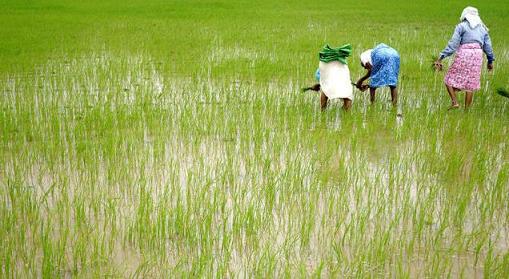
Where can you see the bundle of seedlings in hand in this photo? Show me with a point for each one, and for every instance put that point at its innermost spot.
(435, 65)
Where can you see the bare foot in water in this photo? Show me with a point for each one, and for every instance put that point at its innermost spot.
(454, 106)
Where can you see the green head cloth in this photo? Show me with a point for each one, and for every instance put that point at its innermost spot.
(340, 54)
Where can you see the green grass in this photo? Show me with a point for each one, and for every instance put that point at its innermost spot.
(171, 139)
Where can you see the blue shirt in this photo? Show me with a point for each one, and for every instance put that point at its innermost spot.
(464, 34)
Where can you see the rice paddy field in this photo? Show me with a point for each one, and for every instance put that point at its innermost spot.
(171, 139)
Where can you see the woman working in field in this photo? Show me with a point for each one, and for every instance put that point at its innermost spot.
(334, 76)
(382, 64)
(469, 40)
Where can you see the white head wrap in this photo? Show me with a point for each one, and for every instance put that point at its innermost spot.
(471, 14)
(366, 57)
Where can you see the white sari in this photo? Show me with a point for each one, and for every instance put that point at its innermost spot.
(335, 80)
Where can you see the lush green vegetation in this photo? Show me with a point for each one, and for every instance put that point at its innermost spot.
(170, 138)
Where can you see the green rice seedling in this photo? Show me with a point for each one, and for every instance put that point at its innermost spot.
(163, 140)
(434, 65)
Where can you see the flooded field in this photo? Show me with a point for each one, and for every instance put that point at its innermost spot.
(120, 162)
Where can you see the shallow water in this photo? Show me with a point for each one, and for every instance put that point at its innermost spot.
(146, 169)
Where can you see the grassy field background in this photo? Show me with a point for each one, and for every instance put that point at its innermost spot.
(170, 138)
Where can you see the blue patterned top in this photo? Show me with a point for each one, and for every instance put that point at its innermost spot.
(385, 66)
(317, 74)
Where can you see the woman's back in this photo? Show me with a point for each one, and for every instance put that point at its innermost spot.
(464, 34)
(471, 35)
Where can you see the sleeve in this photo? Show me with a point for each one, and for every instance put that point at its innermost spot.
(454, 42)
(488, 49)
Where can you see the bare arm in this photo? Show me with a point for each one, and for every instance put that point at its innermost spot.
(315, 87)
(365, 77)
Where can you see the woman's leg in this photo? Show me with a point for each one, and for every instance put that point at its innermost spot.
(469, 96)
(394, 95)
(452, 93)
(372, 91)
(323, 100)
(347, 104)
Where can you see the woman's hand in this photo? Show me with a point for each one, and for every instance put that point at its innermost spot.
(361, 87)
(438, 65)
(359, 84)
(490, 67)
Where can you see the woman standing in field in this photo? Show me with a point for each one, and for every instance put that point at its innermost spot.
(469, 40)
(382, 64)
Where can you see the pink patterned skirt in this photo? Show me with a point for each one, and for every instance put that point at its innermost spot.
(465, 71)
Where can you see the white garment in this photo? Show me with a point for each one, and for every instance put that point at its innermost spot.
(335, 80)
(471, 14)
(366, 57)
